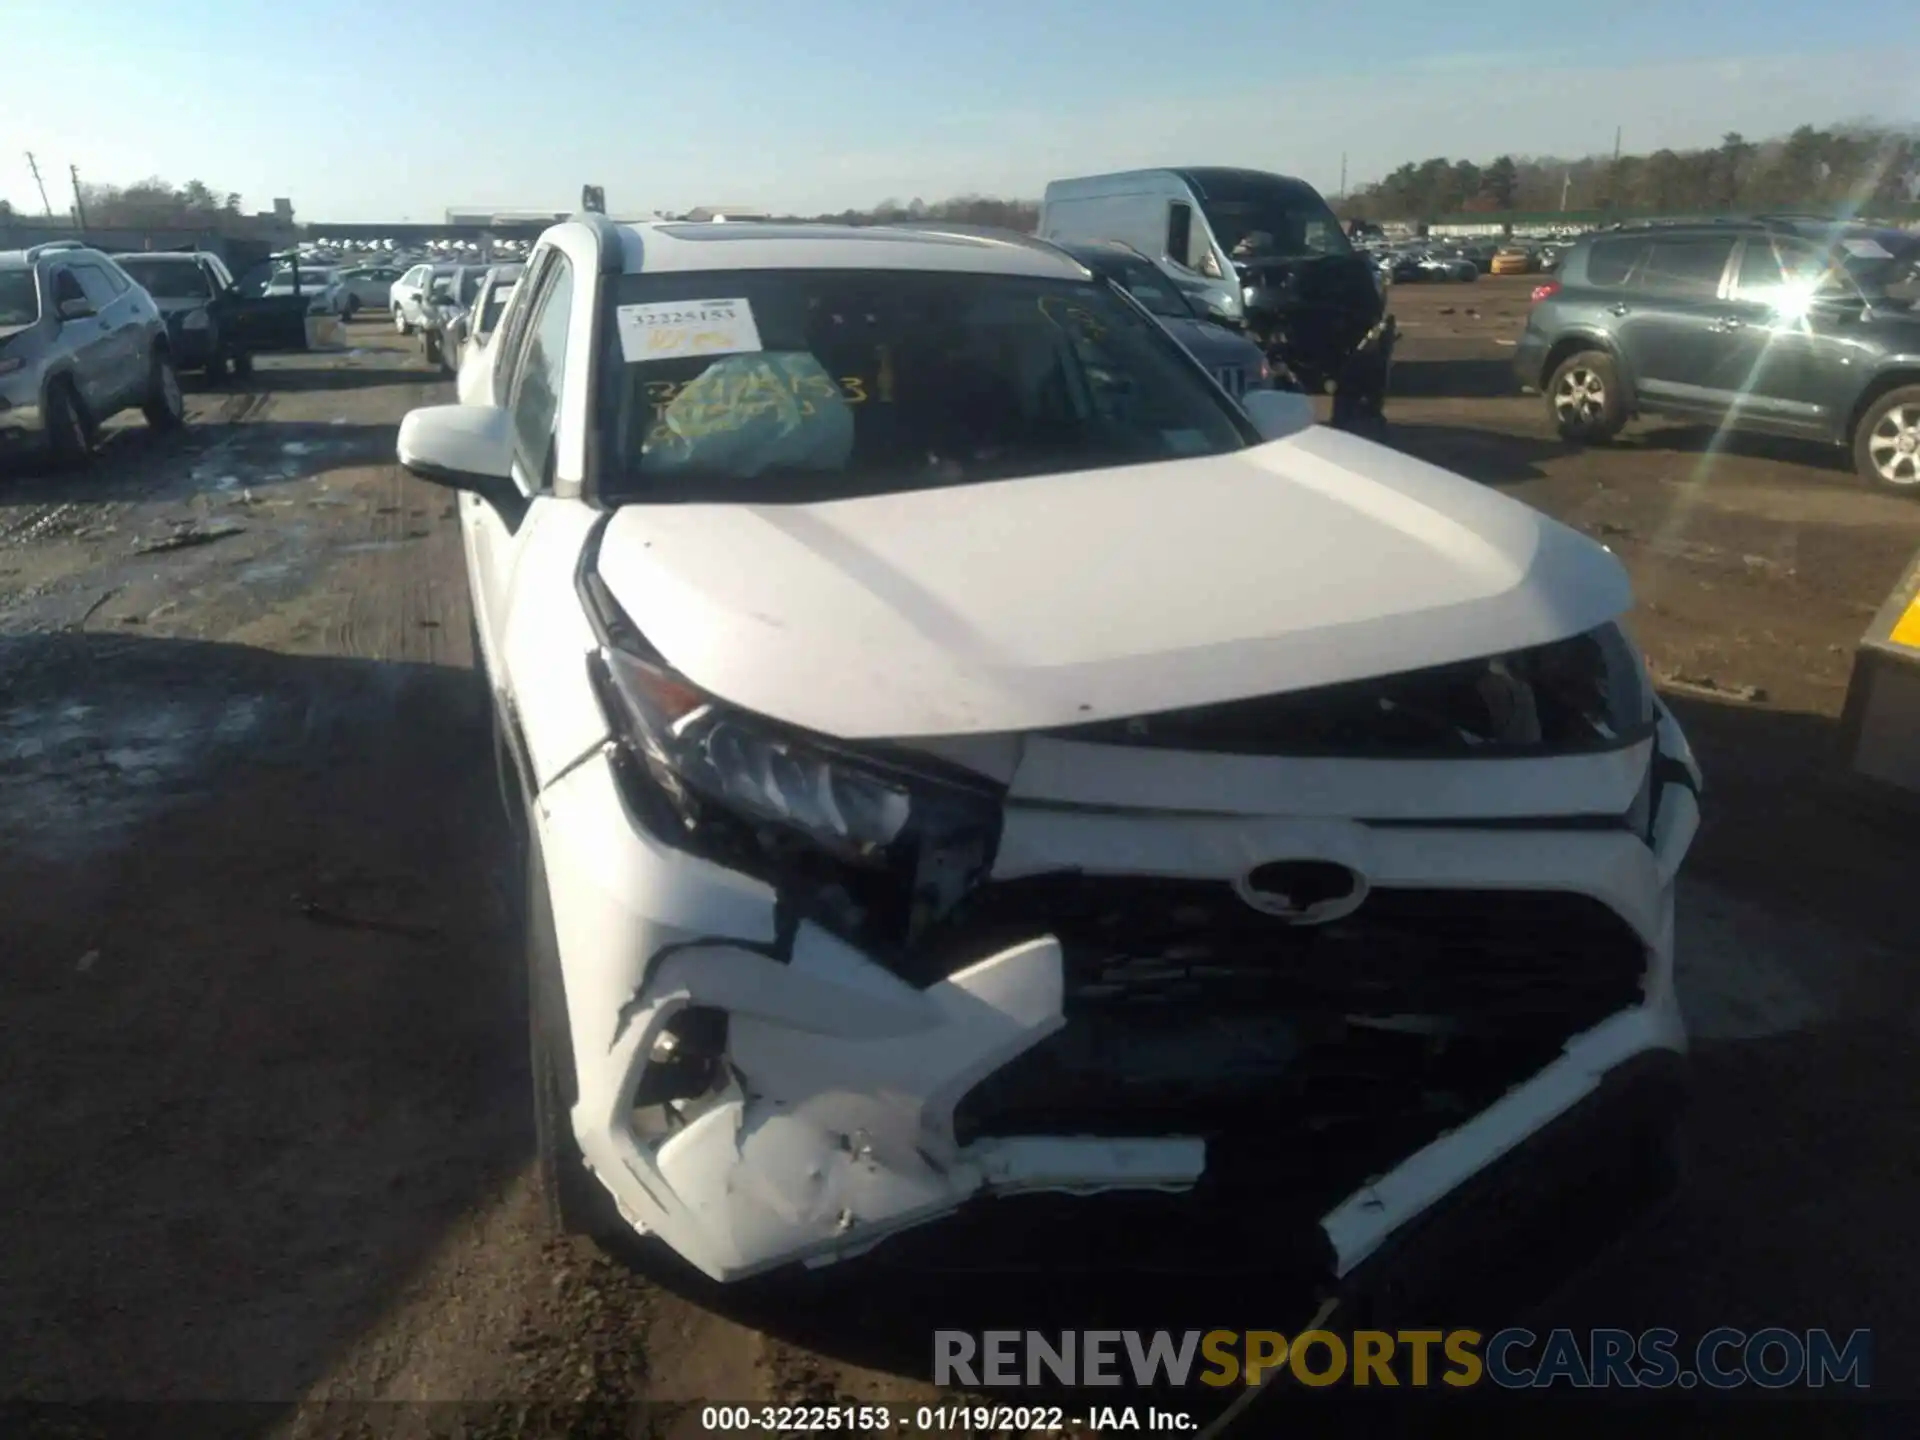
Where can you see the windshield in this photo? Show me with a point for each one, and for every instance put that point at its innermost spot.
(1143, 281)
(19, 299)
(496, 302)
(1279, 220)
(825, 384)
(168, 279)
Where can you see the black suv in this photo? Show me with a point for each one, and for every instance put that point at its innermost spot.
(1780, 326)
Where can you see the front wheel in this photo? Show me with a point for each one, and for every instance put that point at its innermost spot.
(1584, 400)
(1886, 444)
(349, 307)
(400, 325)
(69, 438)
(165, 407)
(216, 367)
(573, 1202)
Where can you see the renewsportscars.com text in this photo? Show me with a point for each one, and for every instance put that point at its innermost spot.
(1516, 1359)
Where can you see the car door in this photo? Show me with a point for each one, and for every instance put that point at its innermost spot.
(86, 341)
(259, 323)
(1793, 338)
(529, 385)
(119, 315)
(1666, 319)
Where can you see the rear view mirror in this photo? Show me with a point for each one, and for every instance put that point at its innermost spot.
(1277, 414)
(77, 310)
(463, 447)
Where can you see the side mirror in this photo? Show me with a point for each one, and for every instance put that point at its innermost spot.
(463, 447)
(1277, 414)
(77, 310)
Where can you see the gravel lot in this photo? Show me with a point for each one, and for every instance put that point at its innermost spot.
(264, 1099)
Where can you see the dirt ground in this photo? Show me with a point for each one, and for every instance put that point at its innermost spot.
(263, 1077)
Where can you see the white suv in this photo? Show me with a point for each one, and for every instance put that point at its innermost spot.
(959, 755)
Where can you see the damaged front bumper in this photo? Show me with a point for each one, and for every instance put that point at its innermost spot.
(852, 1105)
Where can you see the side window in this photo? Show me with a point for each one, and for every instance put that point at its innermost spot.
(1609, 262)
(539, 384)
(1686, 269)
(1771, 269)
(94, 284)
(66, 288)
(514, 324)
(116, 279)
(1179, 232)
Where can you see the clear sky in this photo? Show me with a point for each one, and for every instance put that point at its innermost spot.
(359, 110)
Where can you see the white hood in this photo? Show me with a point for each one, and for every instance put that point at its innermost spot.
(1063, 599)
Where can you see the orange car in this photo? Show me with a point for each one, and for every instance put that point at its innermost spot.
(1513, 262)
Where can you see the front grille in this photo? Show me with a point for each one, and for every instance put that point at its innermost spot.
(1232, 379)
(1189, 1012)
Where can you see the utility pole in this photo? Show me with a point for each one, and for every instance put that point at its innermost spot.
(34, 166)
(1566, 185)
(79, 206)
(1343, 174)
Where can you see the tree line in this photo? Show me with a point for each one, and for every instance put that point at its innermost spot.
(1863, 168)
(152, 202)
(1860, 168)
(1021, 215)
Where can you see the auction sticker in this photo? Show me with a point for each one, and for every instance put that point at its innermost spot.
(679, 329)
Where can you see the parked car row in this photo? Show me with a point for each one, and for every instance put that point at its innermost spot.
(85, 335)
(963, 760)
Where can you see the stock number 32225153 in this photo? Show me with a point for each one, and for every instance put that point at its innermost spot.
(905, 1420)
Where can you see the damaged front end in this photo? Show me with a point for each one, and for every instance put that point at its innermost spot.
(1325, 320)
(1277, 975)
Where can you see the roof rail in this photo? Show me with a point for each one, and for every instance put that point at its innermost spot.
(983, 232)
(34, 252)
(606, 236)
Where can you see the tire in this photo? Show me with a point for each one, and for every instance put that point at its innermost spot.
(164, 407)
(572, 1201)
(350, 308)
(430, 348)
(400, 325)
(1886, 443)
(242, 364)
(1592, 409)
(69, 436)
(216, 366)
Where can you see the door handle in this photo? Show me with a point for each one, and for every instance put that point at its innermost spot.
(1619, 307)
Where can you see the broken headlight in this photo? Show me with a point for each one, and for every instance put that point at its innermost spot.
(699, 748)
(714, 766)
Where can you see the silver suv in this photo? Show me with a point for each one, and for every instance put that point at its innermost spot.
(79, 342)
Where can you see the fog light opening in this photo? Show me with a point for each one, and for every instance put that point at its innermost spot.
(685, 1064)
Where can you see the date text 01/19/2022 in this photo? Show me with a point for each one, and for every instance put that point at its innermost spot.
(881, 1419)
